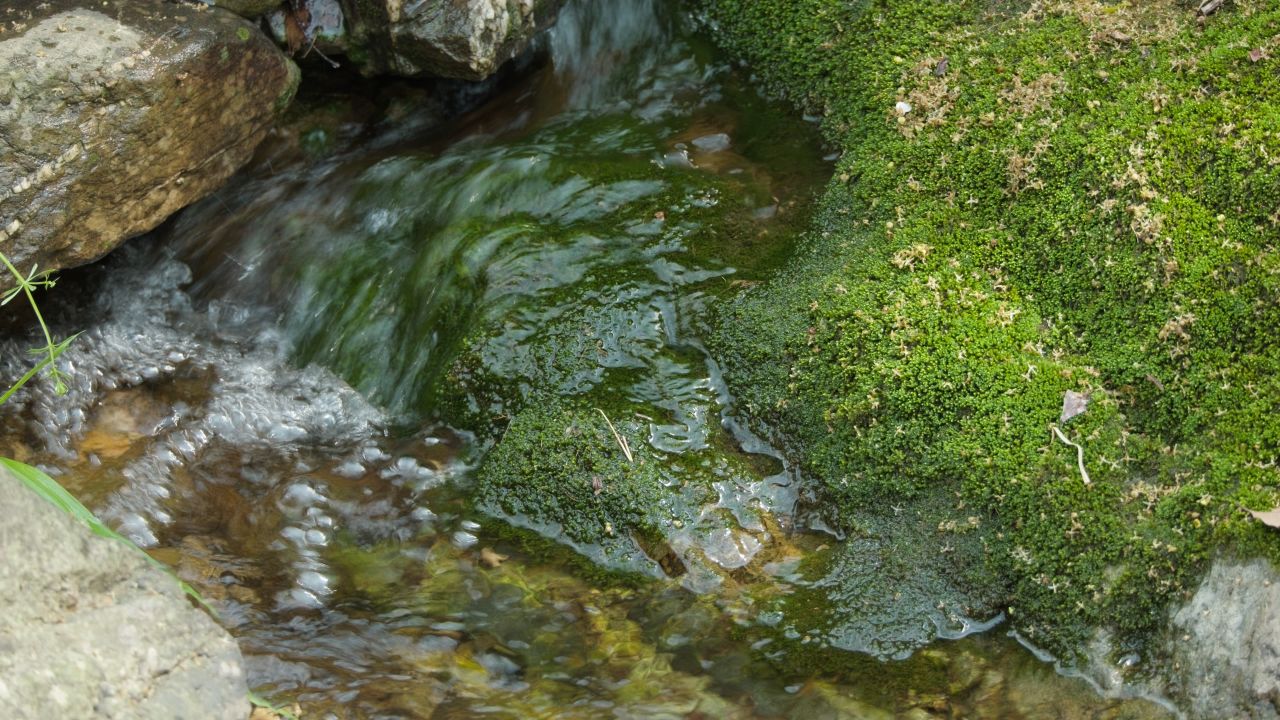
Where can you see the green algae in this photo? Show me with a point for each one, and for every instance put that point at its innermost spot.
(1079, 198)
(576, 475)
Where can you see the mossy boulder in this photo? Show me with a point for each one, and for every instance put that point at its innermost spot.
(1077, 197)
(597, 483)
(114, 115)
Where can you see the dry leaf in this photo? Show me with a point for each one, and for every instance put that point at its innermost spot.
(491, 559)
(1270, 518)
(1073, 403)
(1256, 54)
(297, 16)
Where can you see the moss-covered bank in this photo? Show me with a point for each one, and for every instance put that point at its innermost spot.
(1079, 196)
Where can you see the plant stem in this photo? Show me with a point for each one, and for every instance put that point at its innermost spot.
(50, 347)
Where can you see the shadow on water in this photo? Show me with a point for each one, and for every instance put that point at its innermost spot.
(285, 394)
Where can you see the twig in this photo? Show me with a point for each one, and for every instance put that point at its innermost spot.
(333, 63)
(1079, 454)
(622, 442)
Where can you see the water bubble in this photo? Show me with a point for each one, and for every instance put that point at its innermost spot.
(715, 142)
(314, 582)
(301, 495)
(298, 599)
(349, 469)
(137, 529)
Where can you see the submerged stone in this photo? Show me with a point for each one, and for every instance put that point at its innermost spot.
(894, 585)
(599, 485)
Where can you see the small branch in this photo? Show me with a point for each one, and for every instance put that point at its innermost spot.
(332, 63)
(1079, 454)
(622, 442)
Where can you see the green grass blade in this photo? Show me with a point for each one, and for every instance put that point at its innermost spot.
(259, 701)
(49, 489)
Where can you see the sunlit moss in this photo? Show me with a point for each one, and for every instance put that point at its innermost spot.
(1078, 198)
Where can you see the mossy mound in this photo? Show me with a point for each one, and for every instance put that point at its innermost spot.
(599, 485)
(1077, 197)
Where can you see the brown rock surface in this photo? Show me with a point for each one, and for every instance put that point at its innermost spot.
(115, 114)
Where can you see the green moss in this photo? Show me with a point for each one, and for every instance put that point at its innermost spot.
(550, 464)
(1076, 200)
(290, 90)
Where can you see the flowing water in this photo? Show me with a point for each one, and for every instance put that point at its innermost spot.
(290, 394)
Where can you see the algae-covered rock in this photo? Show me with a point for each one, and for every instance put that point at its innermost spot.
(1031, 202)
(116, 114)
(598, 484)
(897, 583)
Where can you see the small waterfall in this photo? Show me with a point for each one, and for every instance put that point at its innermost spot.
(601, 48)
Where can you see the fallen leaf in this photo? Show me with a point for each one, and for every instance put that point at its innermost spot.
(1256, 54)
(297, 16)
(491, 559)
(1073, 403)
(1270, 518)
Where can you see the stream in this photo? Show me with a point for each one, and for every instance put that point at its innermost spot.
(290, 392)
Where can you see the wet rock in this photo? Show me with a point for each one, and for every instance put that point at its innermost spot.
(897, 585)
(248, 8)
(1224, 644)
(600, 487)
(465, 39)
(113, 115)
(89, 629)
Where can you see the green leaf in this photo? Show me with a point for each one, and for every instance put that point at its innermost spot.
(259, 701)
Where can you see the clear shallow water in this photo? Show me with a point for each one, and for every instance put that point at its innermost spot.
(285, 393)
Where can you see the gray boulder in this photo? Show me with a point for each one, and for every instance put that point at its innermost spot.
(116, 113)
(1224, 644)
(89, 629)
